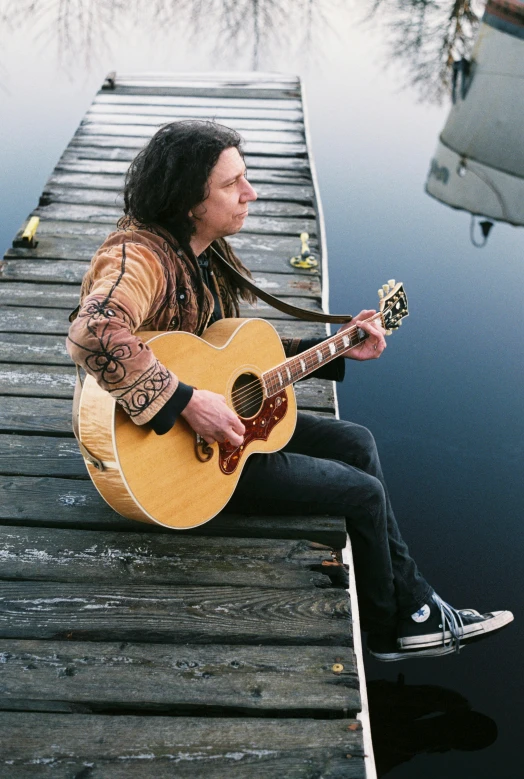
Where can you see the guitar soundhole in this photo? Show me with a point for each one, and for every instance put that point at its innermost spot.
(247, 395)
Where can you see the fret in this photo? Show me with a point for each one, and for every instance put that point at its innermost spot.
(302, 365)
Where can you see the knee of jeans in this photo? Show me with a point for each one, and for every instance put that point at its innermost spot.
(369, 496)
(363, 443)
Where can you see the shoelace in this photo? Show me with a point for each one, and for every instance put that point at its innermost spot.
(451, 620)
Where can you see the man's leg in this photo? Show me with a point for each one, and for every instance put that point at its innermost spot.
(332, 467)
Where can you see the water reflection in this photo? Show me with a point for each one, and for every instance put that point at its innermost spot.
(427, 37)
(409, 720)
(479, 162)
(82, 28)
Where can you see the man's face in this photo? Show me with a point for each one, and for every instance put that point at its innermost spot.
(224, 210)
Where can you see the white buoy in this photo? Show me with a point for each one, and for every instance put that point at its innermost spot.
(479, 162)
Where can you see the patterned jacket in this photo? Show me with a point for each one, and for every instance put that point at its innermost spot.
(140, 279)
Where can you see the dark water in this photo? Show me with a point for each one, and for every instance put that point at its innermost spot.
(445, 402)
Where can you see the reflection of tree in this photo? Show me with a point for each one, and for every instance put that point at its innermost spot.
(236, 27)
(426, 36)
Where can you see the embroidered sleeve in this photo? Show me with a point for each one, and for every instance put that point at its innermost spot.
(125, 284)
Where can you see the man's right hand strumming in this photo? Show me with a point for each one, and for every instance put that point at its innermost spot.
(210, 416)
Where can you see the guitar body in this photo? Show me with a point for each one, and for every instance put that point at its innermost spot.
(161, 479)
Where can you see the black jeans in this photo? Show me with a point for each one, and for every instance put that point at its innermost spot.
(332, 467)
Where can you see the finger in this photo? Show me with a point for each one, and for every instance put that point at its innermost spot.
(365, 314)
(238, 427)
(209, 439)
(235, 440)
(373, 329)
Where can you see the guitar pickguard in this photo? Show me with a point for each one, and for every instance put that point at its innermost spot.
(258, 428)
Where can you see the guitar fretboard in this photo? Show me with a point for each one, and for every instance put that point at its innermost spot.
(307, 362)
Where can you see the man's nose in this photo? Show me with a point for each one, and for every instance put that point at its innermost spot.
(248, 193)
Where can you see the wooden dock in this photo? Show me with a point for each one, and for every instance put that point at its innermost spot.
(129, 650)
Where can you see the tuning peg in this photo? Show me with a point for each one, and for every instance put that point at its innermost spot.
(399, 322)
(388, 332)
(391, 283)
(381, 293)
(385, 287)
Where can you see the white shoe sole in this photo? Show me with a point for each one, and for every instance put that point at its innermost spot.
(415, 654)
(498, 620)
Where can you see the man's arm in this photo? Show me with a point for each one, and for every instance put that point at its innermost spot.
(126, 280)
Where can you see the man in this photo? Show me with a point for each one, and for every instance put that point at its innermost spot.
(185, 192)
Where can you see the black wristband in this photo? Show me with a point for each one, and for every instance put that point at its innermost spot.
(164, 419)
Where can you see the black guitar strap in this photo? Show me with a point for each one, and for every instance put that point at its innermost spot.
(286, 308)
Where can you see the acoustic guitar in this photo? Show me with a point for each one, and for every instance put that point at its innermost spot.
(177, 480)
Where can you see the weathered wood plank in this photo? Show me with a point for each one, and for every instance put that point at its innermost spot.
(103, 186)
(39, 382)
(143, 132)
(108, 169)
(185, 614)
(218, 103)
(70, 271)
(266, 253)
(250, 680)
(66, 296)
(125, 558)
(20, 414)
(58, 382)
(23, 319)
(274, 93)
(117, 145)
(240, 81)
(41, 295)
(40, 456)
(105, 161)
(122, 747)
(29, 348)
(157, 116)
(289, 207)
(70, 503)
(104, 215)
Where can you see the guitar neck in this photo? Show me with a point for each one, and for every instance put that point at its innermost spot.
(296, 368)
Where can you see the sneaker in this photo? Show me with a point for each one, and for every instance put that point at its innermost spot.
(439, 625)
(384, 647)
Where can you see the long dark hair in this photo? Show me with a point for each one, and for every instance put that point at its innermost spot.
(169, 176)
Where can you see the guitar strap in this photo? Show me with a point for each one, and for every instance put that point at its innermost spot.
(286, 308)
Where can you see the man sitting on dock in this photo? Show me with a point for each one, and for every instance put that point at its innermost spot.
(185, 192)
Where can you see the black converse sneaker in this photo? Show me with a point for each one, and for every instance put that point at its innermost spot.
(384, 647)
(439, 625)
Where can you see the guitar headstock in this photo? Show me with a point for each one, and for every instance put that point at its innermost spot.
(393, 304)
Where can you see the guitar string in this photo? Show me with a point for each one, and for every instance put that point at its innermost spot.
(251, 390)
(310, 361)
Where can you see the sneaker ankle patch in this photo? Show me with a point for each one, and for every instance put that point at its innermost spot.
(422, 614)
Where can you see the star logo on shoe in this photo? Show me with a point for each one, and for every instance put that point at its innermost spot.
(422, 614)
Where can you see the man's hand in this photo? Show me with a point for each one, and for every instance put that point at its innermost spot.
(210, 416)
(373, 346)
